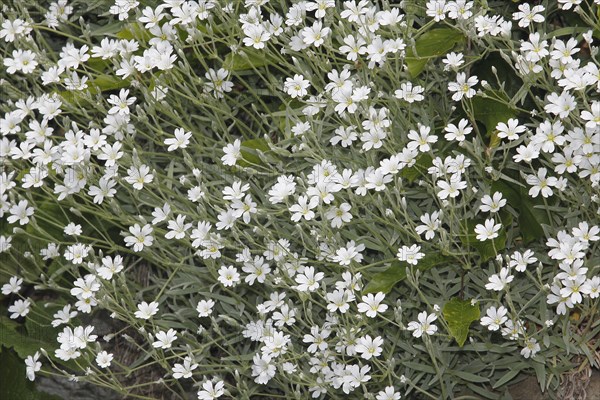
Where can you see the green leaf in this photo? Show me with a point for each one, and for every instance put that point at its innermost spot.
(250, 150)
(540, 373)
(469, 377)
(491, 110)
(13, 379)
(431, 44)
(39, 327)
(134, 32)
(14, 382)
(250, 59)
(459, 314)
(509, 376)
(419, 169)
(488, 248)
(107, 82)
(106, 30)
(396, 272)
(26, 340)
(530, 218)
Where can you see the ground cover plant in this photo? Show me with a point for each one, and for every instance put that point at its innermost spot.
(300, 199)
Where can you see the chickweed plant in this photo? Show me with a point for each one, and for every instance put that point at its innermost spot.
(301, 199)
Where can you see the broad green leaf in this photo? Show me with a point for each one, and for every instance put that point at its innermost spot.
(39, 326)
(251, 58)
(249, 151)
(107, 82)
(134, 32)
(419, 169)
(530, 218)
(396, 272)
(111, 29)
(490, 111)
(431, 44)
(26, 340)
(487, 249)
(459, 314)
(13, 380)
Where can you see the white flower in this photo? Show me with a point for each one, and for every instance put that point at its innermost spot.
(489, 230)
(535, 49)
(459, 132)
(228, 276)
(120, 103)
(573, 288)
(339, 300)
(498, 282)
(591, 287)
(303, 209)
(262, 369)
(256, 269)
(256, 36)
(20, 212)
(32, 365)
(531, 348)
(495, 318)
(5, 243)
(315, 34)
(421, 140)
(371, 304)
(539, 183)
(560, 105)
(316, 338)
(103, 359)
(492, 204)
(510, 130)
(164, 340)
(368, 347)
(180, 141)
(463, 86)
(528, 15)
(452, 60)
(63, 316)
(388, 394)
(339, 215)
(211, 391)
(451, 189)
(297, 86)
(410, 93)
(184, 370)
(19, 308)
(232, 153)
(13, 286)
(138, 176)
(205, 307)
(320, 7)
(145, 310)
(177, 228)
(85, 287)
(217, 82)
(140, 237)
(411, 254)
(22, 60)
(73, 229)
(308, 280)
(520, 261)
(424, 325)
